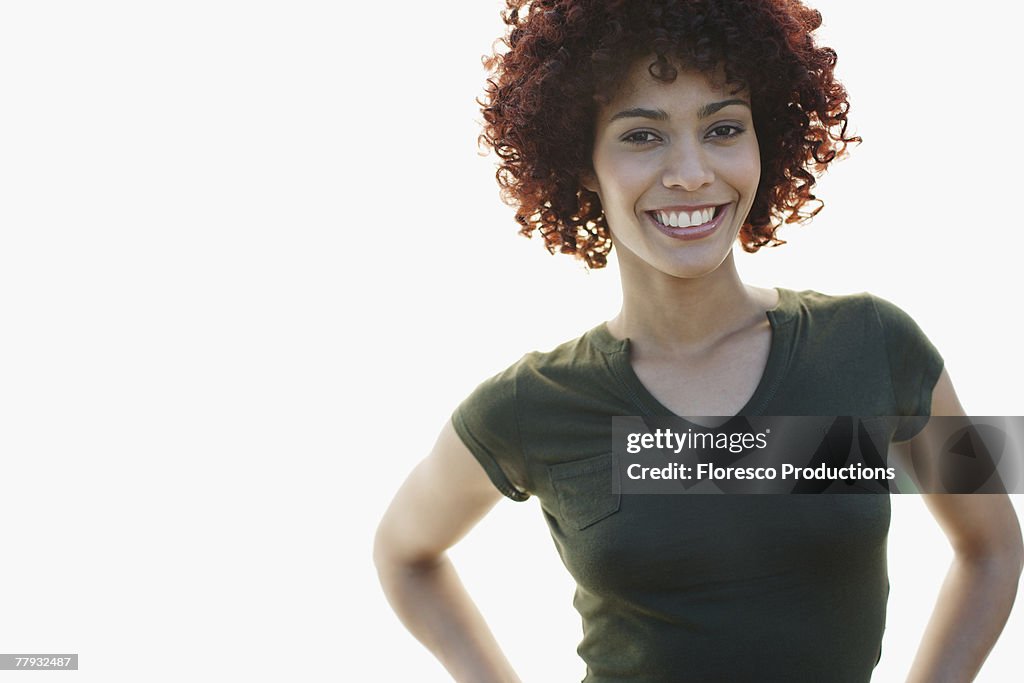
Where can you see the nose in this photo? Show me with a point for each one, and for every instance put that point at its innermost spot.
(687, 167)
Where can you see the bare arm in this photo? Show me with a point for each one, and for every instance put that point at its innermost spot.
(443, 498)
(980, 587)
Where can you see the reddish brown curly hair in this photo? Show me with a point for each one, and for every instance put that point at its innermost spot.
(561, 58)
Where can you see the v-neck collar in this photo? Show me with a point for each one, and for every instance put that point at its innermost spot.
(779, 318)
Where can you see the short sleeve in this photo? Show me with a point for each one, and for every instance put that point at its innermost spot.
(487, 422)
(914, 366)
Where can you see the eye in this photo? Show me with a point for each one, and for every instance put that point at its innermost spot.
(641, 137)
(725, 130)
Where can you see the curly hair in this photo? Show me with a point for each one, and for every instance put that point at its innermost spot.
(561, 59)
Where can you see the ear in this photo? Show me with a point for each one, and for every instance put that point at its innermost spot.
(588, 180)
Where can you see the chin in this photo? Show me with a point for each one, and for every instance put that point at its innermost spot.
(691, 262)
(689, 268)
(683, 260)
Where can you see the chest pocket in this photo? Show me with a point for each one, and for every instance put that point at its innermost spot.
(584, 490)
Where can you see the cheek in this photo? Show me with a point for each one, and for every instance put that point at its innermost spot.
(623, 181)
(744, 170)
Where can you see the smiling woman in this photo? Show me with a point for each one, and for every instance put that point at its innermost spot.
(681, 157)
(674, 130)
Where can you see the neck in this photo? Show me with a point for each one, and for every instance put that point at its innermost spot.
(670, 313)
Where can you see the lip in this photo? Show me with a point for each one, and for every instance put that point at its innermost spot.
(695, 232)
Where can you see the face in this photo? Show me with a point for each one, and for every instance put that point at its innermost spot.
(676, 166)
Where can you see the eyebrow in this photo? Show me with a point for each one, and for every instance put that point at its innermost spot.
(661, 115)
(709, 109)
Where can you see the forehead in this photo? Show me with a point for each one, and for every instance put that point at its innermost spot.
(689, 86)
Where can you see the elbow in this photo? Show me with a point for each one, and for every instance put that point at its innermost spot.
(384, 556)
(996, 542)
(1015, 552)
(1015, 544)
(386, 561)
(1005, 557)
(392, 556)
(379, 551)
(1013, 564)
(1018, 557)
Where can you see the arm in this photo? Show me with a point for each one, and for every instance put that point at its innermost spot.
(980, 587)
(443, 498)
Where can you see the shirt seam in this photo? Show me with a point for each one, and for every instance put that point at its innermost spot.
(888, 358)
(624, 384)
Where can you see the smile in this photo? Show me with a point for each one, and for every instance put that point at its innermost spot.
(689, 224)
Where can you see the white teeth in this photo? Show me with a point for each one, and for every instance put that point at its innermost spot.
(682, 219)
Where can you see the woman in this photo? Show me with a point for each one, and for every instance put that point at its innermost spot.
(672, 129)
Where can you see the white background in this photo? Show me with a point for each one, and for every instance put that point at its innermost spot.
(250, 261)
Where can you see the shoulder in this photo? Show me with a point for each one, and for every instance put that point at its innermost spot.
(570, 358)
(841, 321)
(497, 419)
(545, 368)
(817, 304)
(862, 323)
(862, 309)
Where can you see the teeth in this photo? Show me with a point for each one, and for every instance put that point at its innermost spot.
(682, 219)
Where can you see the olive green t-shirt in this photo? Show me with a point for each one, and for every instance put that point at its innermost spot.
(711, 587)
